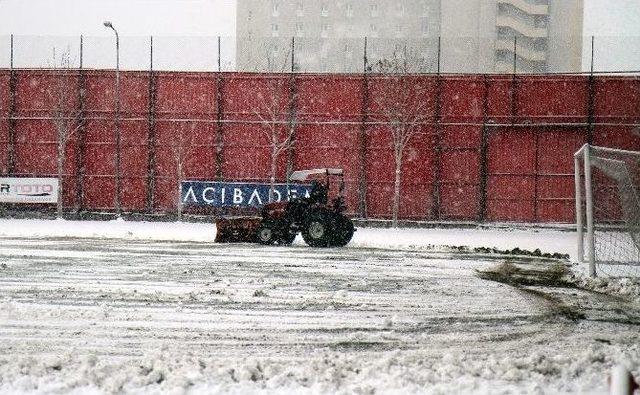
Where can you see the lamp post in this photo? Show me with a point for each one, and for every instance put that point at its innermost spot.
(117, 119)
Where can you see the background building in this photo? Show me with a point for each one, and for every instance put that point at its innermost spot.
(476, 35)
(482, 35)
(329, 35)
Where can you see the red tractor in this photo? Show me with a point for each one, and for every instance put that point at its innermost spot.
(321, 221)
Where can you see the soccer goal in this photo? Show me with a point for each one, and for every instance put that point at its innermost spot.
(608, 210)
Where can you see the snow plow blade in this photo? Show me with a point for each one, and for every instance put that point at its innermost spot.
(237, 230)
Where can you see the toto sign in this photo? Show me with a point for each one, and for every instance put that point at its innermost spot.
(237, 194)
(28, 190)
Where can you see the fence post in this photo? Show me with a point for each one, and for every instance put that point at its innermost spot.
(219, 56)
(219, 118)
(435, 198)
(514, 98)
(536, 170)
(151, 142)
(293, 96)
(13, 81)
(439, 55)
(293, 53)
(591, 98)
(81, 143)
(118, 179)
(515, 54)
(362, 138)
(593, 39)
(484, 146)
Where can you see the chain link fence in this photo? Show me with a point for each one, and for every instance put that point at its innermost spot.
(469, 55)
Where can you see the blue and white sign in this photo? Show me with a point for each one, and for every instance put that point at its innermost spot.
(237, 194)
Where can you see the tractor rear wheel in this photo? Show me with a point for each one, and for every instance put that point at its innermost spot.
(342, 232)
(317, 229)
(265, 234)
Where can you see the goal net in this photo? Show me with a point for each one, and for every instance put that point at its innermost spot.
(608, 210)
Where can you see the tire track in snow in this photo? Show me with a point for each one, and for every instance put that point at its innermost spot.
(126, 298)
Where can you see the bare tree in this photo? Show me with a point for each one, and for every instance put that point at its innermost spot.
(402, 103)
(64, 113)
(272, 106)
(181, 145)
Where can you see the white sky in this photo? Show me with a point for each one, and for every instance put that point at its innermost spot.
(130, 17)
(612, 18)
(616, 25)
(180, 18)
(214, 17)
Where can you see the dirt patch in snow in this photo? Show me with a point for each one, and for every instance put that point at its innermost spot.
(572, 296)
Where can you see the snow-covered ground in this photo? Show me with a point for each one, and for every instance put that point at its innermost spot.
(547, 240)
(103, 307)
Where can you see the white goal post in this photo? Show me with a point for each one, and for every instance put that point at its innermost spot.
(607, 183)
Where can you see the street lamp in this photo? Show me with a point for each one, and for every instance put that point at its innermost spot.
(109, 25)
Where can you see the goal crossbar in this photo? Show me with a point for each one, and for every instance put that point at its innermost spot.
(594, 148)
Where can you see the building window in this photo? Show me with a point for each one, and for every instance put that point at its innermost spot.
(274, 30)
(540, 45)
(399, 30)
(374, 9)
(371, 50)
(541, 22)
(324, 30)
(299, 29)
(300, 8)
(425, 8)
(324, 9)
(424, 26)
(399, 9)
(348, 51)
(275, 9)
(504, 57)
(349, 10)
(373, 29)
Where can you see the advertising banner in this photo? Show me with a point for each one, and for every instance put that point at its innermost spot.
(237, 194)
(28, 190)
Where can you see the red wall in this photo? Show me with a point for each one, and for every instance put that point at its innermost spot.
(532, 125)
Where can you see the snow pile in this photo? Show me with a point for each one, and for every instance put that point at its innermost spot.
(627, 287)
(547, 240)
(397, 371)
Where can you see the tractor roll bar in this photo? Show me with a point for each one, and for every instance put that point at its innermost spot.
(302, 175)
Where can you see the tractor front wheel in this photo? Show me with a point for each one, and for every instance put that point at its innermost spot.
(317, 229)
(265, 234)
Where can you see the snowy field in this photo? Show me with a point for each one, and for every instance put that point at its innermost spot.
(104, 307)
